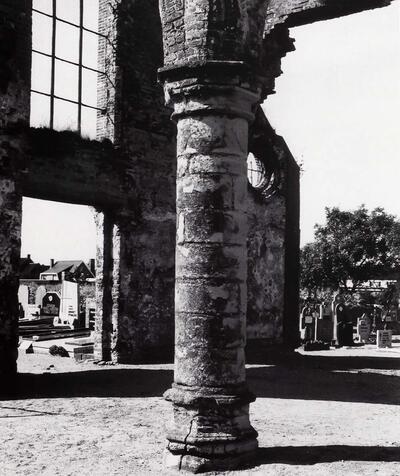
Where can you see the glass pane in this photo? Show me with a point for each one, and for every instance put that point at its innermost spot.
(90, 45)
(66, 81)
(45, 6)
(40, 110)
(68, 10)
(89, 87)
(91, 14)
(65, 115)
(67, 42)
(41, 73)
(41, 32)
(89, 121)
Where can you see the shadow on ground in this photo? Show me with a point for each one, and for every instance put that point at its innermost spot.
(309, 455)
(295, 377)
(92, 383)
(315, 377)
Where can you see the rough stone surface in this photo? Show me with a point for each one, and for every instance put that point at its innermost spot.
(301, 12)
(14, 110)
(141, 281)
(210, 427)
(273, 246)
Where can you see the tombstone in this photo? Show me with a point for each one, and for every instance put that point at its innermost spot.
(390, 316)
(39, 295)
(51, 304)
(383, 338)
(32, 312)
(324, 330)
(307, 324)
(90, 313)
(69, 310)
(363, 328)
(342, 327)
(325, 312)
(23, 299)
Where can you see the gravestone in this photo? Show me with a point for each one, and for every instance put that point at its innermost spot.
(324, 330)
(39, 295)
(343, 327)
(324, 324)
(325, 312)
(69, 310)
(383, 338)
(307, 324)
(363, 329)
(51, 304)
(23, 298)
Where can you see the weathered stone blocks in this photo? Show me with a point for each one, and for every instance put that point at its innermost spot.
(15, 39)
(210, 416)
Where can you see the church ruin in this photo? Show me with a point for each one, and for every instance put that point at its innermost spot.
(186, 246)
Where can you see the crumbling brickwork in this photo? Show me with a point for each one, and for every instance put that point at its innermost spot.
(142, 281)
(273, 258)
(14, 110)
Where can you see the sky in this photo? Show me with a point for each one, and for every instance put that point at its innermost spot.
(337, 105)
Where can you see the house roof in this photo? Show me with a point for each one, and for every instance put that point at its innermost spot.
(68, 265)
(30, 270)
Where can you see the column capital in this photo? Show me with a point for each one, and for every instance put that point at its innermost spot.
(211, 87)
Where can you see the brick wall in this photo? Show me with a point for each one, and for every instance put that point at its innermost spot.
(142, 246)
(273, 257)
(15, 38)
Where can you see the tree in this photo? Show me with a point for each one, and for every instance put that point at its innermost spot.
(353, 245)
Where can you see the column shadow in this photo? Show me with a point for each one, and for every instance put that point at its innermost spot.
(347, 379)
(134, 383)
(309, 455)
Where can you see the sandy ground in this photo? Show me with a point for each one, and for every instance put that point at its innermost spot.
(322, 413)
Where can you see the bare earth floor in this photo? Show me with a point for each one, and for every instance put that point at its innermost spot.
(322, 413)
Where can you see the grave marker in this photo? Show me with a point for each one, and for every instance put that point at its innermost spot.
(307, 324)
(51, 304)
(324, 312)
(363, 329)
(342, 327)
(69, 311)
(383, 338)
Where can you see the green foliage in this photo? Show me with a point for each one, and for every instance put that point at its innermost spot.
(353, 245)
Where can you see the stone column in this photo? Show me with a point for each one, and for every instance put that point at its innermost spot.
(15, 40)
(210, 428)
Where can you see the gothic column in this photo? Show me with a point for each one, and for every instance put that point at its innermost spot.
(210, 428)
(15, 41)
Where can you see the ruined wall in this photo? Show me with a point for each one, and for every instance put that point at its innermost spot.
(136, 295)
(273, 258)
(143, 237)
(15, 37)
(302, 12)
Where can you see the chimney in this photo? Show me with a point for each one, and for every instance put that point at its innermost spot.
(51, 262)
(92, 266)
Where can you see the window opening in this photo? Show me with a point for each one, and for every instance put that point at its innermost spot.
(63, 69)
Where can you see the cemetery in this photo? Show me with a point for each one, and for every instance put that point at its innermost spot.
(184, 346)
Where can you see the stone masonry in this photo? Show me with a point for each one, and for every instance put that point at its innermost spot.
(172, 204)
(14, 109)
(212, 76)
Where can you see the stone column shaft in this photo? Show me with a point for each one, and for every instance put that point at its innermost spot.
(210, 427)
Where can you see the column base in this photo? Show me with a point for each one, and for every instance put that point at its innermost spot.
(210, 430)
(201, 464)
